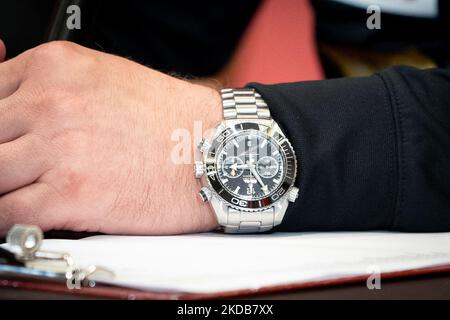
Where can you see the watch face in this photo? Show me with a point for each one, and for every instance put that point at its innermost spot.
(249, 167)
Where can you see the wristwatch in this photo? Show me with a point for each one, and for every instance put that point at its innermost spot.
(248, 166)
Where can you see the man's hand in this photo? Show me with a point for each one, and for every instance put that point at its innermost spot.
(2, 51)
(85, 144)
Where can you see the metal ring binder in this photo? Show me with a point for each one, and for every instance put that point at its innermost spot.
(25, 241)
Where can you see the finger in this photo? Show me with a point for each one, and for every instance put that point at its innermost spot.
(2, 51)
(22, 162)
(33, 204)
(14, 118)
(11, 73)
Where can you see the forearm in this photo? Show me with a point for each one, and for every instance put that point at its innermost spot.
(367, 158)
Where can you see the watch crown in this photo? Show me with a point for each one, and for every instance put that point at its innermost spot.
(204, 145)
(199, 169)
(293, 194)
(205, 194)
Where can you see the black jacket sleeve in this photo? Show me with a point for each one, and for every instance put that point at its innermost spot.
(373, 153)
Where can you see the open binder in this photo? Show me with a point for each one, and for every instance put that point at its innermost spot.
(214, 265)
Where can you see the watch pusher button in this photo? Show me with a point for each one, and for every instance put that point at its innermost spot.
(199, 169)
(205, 194)
(204, 145)
(293, 194)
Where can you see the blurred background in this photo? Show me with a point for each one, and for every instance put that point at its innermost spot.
(235, 42)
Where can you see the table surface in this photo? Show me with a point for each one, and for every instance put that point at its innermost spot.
(432, 286)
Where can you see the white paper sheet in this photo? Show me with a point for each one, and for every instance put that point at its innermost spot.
(206, 263)
(414, 8)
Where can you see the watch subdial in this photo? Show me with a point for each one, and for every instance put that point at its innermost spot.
(267, 167)
(232, 167)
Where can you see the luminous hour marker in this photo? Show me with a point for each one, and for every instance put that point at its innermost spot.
(224, 181)
(263, 144)
(236, 144)
(237, 189)
(276, 181)
(275, 153)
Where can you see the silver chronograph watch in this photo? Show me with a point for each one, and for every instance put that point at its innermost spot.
(248, 166)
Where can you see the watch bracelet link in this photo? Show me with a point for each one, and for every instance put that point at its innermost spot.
(249, 222)
(246, 104)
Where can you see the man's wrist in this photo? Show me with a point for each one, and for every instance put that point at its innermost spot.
(205, 107)
(212, 115)
(210, 107)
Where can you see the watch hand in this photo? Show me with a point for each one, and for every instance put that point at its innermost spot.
(242, 166)
(258, 178)
(233, 169)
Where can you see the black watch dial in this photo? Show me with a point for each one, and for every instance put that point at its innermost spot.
(250, 165)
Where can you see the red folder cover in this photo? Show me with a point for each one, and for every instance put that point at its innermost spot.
(112, 292)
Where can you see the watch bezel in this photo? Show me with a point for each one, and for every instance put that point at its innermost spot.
(277, 136)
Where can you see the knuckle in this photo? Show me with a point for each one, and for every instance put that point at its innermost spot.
(54, 51)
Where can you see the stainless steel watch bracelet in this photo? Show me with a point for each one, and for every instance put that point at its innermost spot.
(249, 222)
(246, 104)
